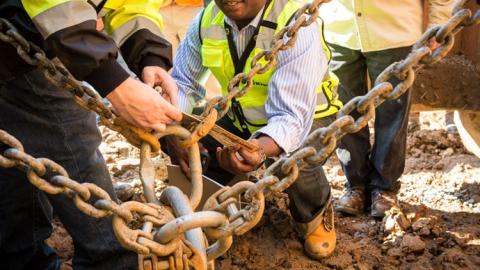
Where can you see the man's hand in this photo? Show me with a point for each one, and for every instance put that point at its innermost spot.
(433, 44)
(178, 155)
(157, 76)
(238, 160)
(142, 106)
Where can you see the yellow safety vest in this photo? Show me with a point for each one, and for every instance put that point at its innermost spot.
(248, 112)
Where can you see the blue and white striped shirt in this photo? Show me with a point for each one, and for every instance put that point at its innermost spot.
(291, 101)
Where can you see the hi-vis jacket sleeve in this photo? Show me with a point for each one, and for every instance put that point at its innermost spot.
(69, 29)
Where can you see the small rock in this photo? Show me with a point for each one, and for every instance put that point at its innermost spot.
(360, 227)
(395, 252)
(412, 244)
(124, 191)
(358, 235)
(439, 166)
(424, 225)
(448, 152)
(395, 221)
(436, 231)
(424, 231)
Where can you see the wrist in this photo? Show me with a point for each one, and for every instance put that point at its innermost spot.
(263, 156)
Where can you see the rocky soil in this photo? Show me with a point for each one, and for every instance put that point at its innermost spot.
(439, 194)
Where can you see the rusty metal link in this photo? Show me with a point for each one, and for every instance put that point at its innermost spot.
(454, 24)
(141, 241)
(243, 212)
(12, 142)
(475, 19)
(406, 81)
(83, 96)
(200, 130)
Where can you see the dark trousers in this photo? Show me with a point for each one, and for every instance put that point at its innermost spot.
(307, 195)
(378, 166)
(49, 124)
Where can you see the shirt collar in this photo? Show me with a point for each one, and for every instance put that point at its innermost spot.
(254, 23)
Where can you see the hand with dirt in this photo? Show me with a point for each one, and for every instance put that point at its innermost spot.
(140, 105)
(238, 160)
(179, 155)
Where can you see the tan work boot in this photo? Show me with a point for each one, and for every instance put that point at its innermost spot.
(322, 241)
(353, 201)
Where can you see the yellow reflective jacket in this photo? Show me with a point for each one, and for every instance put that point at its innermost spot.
(249, 110)
(67, 28)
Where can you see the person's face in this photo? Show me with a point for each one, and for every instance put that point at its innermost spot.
(240, 11)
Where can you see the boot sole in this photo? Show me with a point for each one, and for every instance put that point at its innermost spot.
(348, 210)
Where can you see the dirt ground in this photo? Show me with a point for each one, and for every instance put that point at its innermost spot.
(440, 194)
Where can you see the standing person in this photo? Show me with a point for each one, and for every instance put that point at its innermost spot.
(365, 38)
(277, 112)
(177, 16)
(47, 121)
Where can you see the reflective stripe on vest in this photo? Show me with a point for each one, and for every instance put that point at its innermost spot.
(248, 111)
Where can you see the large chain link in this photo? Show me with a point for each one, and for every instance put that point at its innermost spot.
(232, 210)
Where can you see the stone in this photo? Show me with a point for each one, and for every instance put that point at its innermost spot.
(412, 244)
(395, 252)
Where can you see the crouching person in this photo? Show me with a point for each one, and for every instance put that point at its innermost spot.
(277, 112)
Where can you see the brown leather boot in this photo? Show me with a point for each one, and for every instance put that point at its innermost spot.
(353, 201)
(383, 201)
(322, 241)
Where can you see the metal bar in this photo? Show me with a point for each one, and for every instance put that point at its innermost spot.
(181, 206)
(195, 164)
(147, 173)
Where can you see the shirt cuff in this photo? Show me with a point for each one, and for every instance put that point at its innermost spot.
(185, 103)
(107, 77)
(284, 135)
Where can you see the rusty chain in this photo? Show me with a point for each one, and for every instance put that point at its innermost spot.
(232, 210)
(96, 202)
(58, 75)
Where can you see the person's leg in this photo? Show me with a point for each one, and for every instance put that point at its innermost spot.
(309, 193)
(25, 215)
(391, 122)
(354, 149)
(51, 125)
(311, 206)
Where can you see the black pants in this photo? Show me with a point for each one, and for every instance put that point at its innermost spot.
(49, 124)
(378, 166)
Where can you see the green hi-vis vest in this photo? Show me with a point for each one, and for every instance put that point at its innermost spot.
(220, 57)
